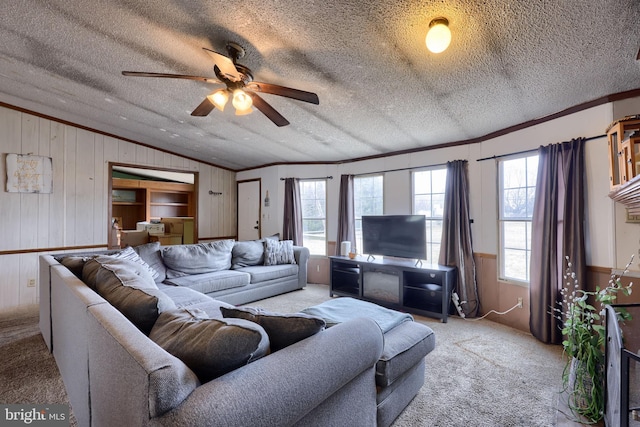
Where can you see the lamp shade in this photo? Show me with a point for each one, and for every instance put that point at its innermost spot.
(219, 98)
(439, 35)
(241, 101)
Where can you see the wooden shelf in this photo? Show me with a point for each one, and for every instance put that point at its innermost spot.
(134, 201)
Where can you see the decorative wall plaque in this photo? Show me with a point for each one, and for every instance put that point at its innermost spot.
(29, 174)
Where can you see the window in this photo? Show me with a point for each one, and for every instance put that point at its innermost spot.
(313, 195)
(428, 200)
(517, 191)
(368, 200)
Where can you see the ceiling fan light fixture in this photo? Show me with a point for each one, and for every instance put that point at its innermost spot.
(219, 98)
(244, 112)
(241, 101)
(439, 35)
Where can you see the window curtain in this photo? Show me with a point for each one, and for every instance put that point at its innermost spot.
(456, 249)
(346, 214)
(292, 224)
(557, 231)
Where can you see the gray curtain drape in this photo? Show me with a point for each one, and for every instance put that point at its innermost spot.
(557, 231)
(346, 214)
(292, 224)
(456, 248)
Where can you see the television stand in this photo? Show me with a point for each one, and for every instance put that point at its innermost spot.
(394, 283)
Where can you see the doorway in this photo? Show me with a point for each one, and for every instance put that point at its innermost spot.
(249, 226)
(141, 194)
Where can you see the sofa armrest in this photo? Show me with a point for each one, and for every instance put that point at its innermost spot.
(283, 387)
(301, 254)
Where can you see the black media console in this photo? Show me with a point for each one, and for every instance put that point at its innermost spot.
(395, 283)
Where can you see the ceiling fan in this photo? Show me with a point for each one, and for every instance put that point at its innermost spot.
(240, 87)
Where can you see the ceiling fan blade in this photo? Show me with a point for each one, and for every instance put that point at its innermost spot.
(170, 76)
(268, 110)
(226, 65)
(203, 109)
(298, 94)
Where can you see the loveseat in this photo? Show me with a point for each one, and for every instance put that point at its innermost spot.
(100, 324)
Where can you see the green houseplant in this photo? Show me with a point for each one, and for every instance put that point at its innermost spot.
(582, 314)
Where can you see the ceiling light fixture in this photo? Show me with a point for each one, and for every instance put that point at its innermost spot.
(241, 101)
(439, 35)
(244, 112)
(219, 98)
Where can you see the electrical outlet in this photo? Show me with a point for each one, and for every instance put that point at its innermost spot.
(519, 302)
(318, 268)
(31, 283)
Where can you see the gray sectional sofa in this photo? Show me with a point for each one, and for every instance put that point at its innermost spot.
(117, 372)
(139, 341)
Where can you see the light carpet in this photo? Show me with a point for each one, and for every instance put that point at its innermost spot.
(481, 373)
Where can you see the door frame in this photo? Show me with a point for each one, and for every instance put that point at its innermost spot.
(244, 181)
(149, 168)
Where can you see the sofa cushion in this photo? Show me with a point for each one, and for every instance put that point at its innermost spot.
(129, 287)
(74, 263)
(186, 297)
(181, 296)
(404, 346)
(278, 252)
(247, 253)
(264, 273)
(130, 254)
(150, 253)
(210, 347)
(198, 258)
(283, 329)
(212, 282)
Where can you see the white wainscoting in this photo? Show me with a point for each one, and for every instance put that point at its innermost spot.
(75, 213)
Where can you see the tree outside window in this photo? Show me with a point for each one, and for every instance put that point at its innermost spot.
(428, 200)
(313, 195)
(368, 200)
(517, 192)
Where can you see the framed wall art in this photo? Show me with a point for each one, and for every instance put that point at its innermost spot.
(29, 174)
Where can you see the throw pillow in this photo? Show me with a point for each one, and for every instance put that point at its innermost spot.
(209, 347)
(150, 253)
(282, 329)
(129, 287)
(247, 253)
(74, 263)
(199, 257)
(278, 252)
(130, 254)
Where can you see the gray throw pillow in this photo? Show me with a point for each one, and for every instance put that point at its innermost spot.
(209, 347)
(150, 253)
(283, 329)
(278, 252)
(247, 253)
(199, 257)
(129, 287)
(130, 254)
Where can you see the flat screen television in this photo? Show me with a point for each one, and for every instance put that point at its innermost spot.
(402, 236)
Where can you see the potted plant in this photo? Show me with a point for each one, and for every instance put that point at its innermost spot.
(582, 314)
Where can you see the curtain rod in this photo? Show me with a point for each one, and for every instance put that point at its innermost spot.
(401, 169)
(532, 150)
(320, 177)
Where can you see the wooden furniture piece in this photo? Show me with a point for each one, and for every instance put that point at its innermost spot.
(134, 200)
(622, 362)
(398, 284)
(624, 150)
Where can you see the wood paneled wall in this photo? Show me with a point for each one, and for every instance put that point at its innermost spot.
(74, 215)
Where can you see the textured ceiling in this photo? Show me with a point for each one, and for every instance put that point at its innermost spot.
(380, 90)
